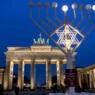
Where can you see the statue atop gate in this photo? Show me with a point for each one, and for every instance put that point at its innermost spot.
(40, 41)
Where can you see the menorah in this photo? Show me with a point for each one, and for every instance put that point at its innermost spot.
(66, 36)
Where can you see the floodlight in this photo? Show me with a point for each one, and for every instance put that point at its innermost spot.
(93, 7)
(88, 6)
(54, 5)
(65, 8)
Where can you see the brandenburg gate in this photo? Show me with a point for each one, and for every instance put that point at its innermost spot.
(40, 52)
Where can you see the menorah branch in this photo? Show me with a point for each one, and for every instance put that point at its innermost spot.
(56, 18)
(47, 17)
(82, 16)
(42, 30)
(89, 21)
(44, 23)
(90, 30)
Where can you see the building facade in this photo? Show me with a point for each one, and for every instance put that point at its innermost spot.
(86, 77)
(2, 70)
(40, 52)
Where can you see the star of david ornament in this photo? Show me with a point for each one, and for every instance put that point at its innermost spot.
(68, 37)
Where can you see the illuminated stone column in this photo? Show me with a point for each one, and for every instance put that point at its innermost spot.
(94, 77)
(62, 73)
(32, 75)
(21, 74)
(79, 79)
(58, 73)
(90, 79)
(48, 74)
(1, 77)
(10, 75)
(6, 74)
(93, 81)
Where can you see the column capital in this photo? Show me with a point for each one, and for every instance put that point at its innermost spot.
(21, 60)
(48, 61)
(9, 59)
(32, 60)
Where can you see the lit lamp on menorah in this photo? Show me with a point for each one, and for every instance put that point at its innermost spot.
(66, 36)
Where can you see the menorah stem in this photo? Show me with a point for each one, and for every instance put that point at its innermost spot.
(30, 12)
(75, 13)
(89, 21)
(56, 18)
(39, 12)
(44, 23)
(65, 19)
(71, 90)
(50, 19)
(82, 18)
(75, 17)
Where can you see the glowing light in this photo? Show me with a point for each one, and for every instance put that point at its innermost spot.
(93, 7)
(67, 37)
(88, 6)
(54, 5)
(65, 8)
(74, 6)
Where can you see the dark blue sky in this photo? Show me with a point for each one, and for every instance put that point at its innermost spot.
(16, 29)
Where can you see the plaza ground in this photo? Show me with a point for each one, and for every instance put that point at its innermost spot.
(26, 93)
(44, 93)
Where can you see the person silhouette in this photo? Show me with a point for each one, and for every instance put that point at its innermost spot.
(16, 90)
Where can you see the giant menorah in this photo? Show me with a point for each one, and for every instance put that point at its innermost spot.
(66, 35)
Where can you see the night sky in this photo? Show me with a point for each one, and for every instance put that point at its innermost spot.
(16, 28)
